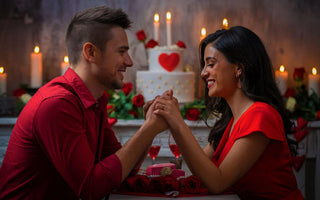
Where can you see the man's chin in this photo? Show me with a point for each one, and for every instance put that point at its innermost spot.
(118, 85)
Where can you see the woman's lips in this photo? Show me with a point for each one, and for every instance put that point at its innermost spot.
(210, 83)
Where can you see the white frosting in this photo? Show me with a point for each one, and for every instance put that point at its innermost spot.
(158, 80)
(149, 85)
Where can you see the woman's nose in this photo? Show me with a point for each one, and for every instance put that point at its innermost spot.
(204, 72)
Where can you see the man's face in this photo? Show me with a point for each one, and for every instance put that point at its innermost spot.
(114, 60)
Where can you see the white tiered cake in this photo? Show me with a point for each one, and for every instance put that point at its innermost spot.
(165, 73)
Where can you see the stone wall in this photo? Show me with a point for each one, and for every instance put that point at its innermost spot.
(289, 29)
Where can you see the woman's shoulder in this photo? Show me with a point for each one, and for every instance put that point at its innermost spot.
(262, 117)
(261, 108)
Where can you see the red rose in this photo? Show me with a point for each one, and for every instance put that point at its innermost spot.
(141, 183)
(170, 184)
(138, 100)
(192, 114)
(19, 92)
(110, 108)
(156, 185)
(181, 44)
(112, 121)
(134, 113)
(141, 35)
(151, 43)
(126, 185)
(107, 94)
(289, 93)
(298, 74)
(318, 114)
(127, 88)
(192, 185)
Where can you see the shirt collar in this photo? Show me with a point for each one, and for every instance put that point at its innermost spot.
(83, 92)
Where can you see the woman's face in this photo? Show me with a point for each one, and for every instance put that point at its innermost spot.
(219, 73)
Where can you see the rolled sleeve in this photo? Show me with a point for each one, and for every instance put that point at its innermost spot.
(113, 170)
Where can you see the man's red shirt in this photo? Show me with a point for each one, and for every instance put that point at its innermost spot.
(53, 149)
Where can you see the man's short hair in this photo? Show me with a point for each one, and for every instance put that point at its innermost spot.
(93, 25)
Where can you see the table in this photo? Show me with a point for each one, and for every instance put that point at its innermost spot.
(210, 197)
(308, 178)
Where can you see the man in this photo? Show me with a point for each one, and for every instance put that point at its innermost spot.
(62, 146)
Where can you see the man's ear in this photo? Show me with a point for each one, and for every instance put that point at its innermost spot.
(89, 52)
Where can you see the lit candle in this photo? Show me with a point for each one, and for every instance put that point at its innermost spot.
(156, 26)
(64, 65)
(36, 68)
(281, 79)
(225, 23)
(3, 81)
(169, 39)
(314, 82)
(203, 33)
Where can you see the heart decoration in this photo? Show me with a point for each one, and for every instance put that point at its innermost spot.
(299, 135)
(169, 62)
(112, 121)
(298, 161)
(301, 123)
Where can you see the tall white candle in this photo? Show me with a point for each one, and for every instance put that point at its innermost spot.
(314, 82)
(36, 68)
(281, 79)
(156, 26)
(203, 33)
(3, 81)
(169, 23)
(64, 65)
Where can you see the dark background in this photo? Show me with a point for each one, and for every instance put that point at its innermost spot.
(290, 30)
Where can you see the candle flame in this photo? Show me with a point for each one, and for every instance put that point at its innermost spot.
(36, 49)
(203, 32)
(156, 17)
(1, 70)
(314, 71)
(168, 15)
(66, 59)
(281, 69)
(225, 23)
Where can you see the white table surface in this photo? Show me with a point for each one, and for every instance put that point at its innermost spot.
(210, 197)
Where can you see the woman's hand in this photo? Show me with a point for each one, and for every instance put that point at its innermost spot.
(157, 121)
(167, 107)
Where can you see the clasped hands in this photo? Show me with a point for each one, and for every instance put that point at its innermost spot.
(163, 111)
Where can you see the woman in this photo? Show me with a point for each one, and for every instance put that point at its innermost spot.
(248, 151)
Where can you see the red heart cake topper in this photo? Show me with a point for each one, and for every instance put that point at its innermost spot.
(169, 62)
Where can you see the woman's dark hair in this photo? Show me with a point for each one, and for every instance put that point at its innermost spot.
(243, 47)
(93, 25)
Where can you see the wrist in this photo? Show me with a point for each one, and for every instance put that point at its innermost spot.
(149, 129)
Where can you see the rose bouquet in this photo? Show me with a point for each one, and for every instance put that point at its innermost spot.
(124, 104)
(163, 185)
(22, 97)
(299, 102)
(194, 111)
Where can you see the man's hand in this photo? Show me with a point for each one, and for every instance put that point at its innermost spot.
(157, 121)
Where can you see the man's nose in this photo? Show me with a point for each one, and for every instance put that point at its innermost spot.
(128, 61)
